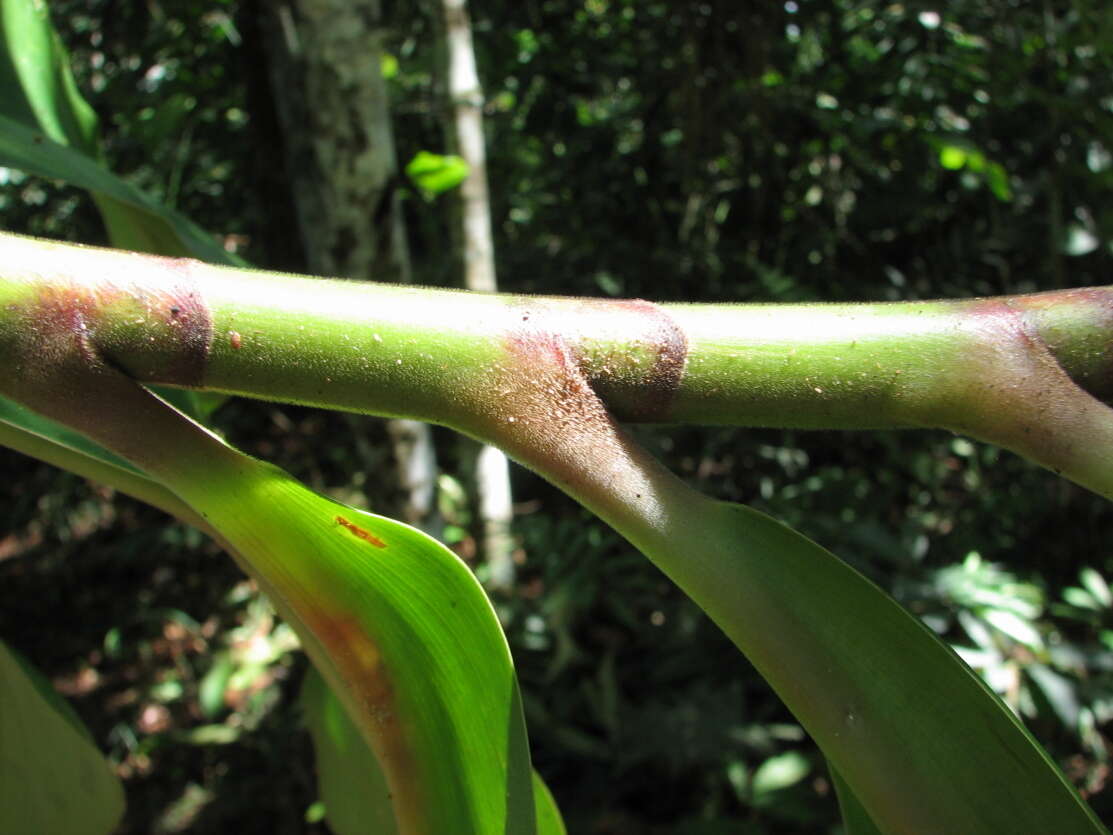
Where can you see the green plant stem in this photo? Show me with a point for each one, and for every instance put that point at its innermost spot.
(1025, 372)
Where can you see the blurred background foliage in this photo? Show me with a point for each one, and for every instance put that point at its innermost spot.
(698, 151)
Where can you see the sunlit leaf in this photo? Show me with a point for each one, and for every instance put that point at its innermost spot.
(958, 157)
(436, 173)
(389, 66)
(397, 624)
(36, 86)
(1080, 598)
(1015, 627)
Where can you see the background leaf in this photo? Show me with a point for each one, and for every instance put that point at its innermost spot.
(52, 777)
(436, 173)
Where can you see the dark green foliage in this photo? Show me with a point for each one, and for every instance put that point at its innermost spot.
(668, 151)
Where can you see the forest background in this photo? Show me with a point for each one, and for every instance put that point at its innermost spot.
(672, 151)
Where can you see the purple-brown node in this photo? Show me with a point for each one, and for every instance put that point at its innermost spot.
(631, 352)
(76, 347)
(1076, 327)
(154, 325)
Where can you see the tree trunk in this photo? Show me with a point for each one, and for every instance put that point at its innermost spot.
(464, 132)
(325, 62)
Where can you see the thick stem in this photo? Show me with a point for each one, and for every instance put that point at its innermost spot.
(990, 367)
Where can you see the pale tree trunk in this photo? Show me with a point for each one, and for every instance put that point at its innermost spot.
(325, 63)
(464, 129)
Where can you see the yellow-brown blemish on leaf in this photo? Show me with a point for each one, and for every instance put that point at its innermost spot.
(357, 531)
(367, 680)
(235, 339)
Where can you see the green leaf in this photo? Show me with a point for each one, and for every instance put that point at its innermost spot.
(1097, 586)
(46, 128)
(1080, 598)
(16, 415)
(396, 623)
(1017, 628)
(352, 787)
(353, 790)
(956, 156)
(389, 65)
(549, 821)
(920, 740)
(436, 173)
(998, 180)
(210, 693)
(1058, 690)
(855, 819)
(52, 778)
(36, 86)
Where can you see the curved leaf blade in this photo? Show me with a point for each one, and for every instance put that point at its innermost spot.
(47, 128)
(396, 623)
(549, 821)
(855, 819)
(162, 230)
(351, 784)
(402, 632)
(36, 85)
(919, 739)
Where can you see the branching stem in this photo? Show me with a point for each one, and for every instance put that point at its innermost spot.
(1027, 372)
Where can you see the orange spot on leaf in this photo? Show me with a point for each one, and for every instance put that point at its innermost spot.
(356, 530)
